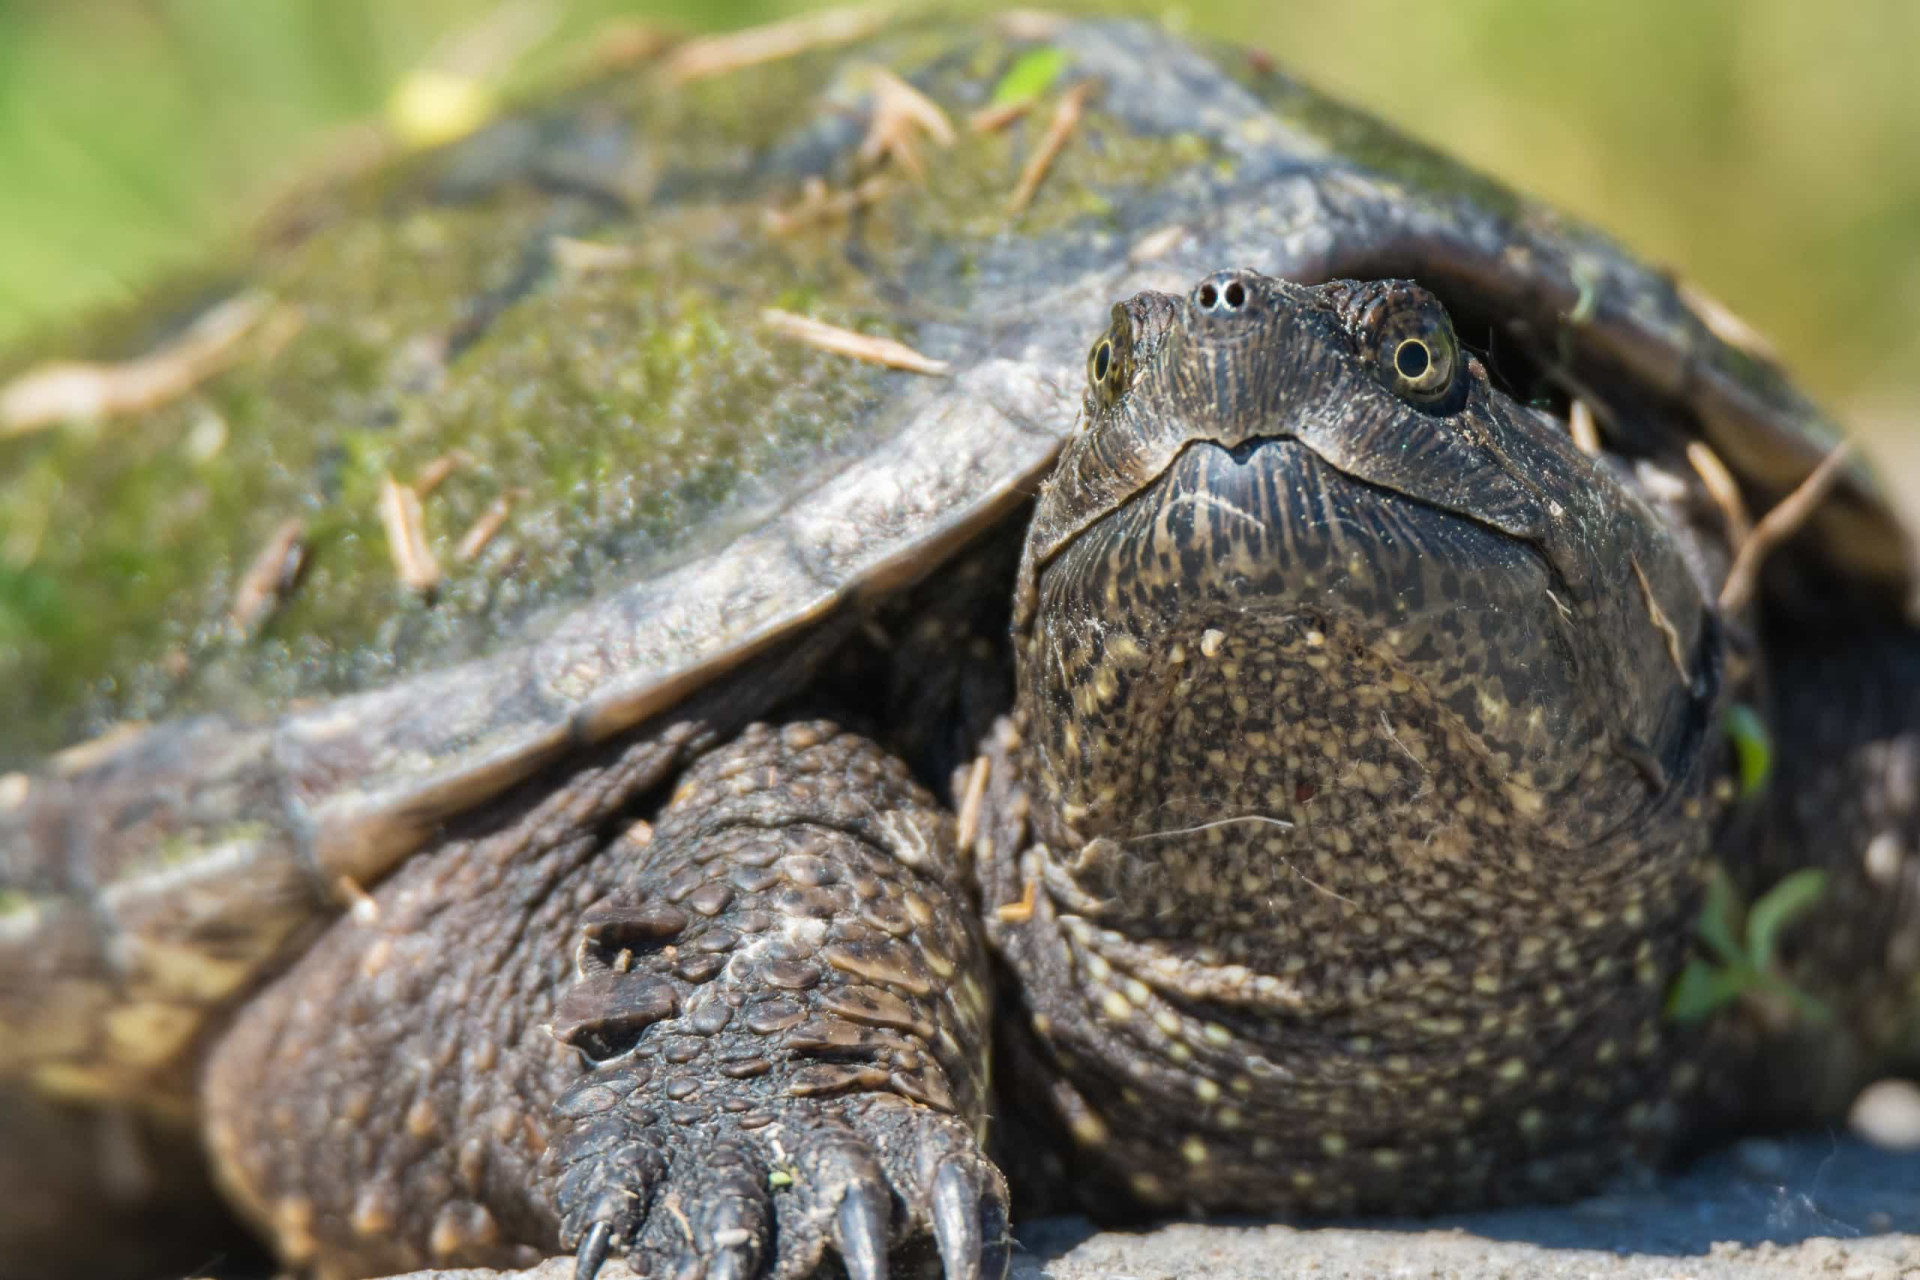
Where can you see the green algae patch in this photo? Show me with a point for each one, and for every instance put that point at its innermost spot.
(621, 411)
(618, 410)
(966, 200)
(629, 415)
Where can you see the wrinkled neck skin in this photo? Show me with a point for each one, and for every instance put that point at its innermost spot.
(1359, 808)
(1258, 690)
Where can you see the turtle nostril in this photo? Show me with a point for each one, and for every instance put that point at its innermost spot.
(1208, 296)
(1235, 295)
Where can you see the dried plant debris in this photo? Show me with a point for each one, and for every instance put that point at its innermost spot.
(1022, 911)
(406, 528)
(846, 342)
(901, 113)
(1676, 651)
(270, 577)
(1779, 524)
(718, 55)
(85, 390)
(283, 323)
(993, 118)
(1029, 24)
(973, 801)
(1156, 244)
(1723, 489)
(482, 531)
(1066, 118)
(439, 469)
(1725, 325)
(819, 204)
(97, 750)
(578, 258)
(626, 42)
(1582, 427)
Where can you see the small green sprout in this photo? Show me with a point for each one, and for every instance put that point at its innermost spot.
(1031, 75)
(781, 1177)
(1743, 941)
(1752, 747)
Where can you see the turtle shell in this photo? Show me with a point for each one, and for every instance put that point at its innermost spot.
(590, 302)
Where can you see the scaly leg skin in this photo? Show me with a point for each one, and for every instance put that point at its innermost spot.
(781, 977)
(383, 1106)
(788, 1010)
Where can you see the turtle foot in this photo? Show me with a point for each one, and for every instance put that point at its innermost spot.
(785, 1016)
(860, 1178)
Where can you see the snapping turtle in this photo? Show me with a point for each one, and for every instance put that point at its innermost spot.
(1269, 754)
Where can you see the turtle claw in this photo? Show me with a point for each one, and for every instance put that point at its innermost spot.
(996, 1257)
(733, 1264)
(592, 1254)
(605, 1197)
(732, 1217)
(957, 1207)
(860, 1231)
(719, 1205)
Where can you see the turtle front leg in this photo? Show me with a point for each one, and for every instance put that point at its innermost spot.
(778, 977)
(786, 1009)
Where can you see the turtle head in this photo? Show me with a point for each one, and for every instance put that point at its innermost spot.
(1313, 617)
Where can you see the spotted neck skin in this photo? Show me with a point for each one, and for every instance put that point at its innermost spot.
(1366, 742)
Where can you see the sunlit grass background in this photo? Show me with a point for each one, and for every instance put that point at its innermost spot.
(1768, 150)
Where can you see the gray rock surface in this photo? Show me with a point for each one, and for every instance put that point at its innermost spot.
(1815, 1205)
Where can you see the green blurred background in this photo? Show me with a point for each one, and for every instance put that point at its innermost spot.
(1768, 150)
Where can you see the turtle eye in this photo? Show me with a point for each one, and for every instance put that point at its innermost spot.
(1417, 356)
(1109, 364)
